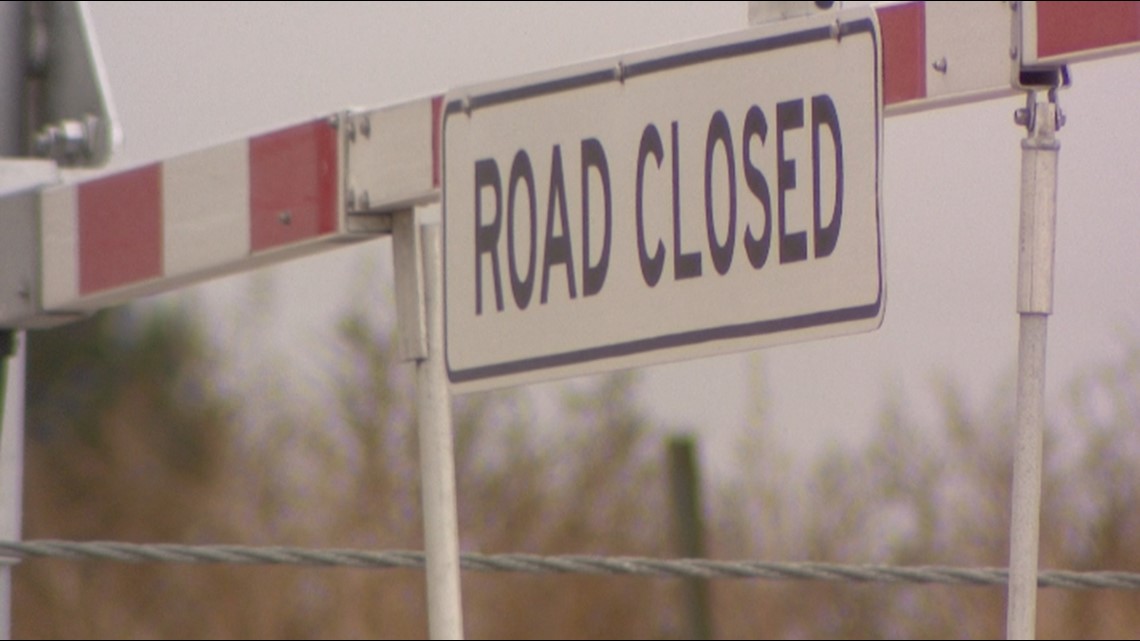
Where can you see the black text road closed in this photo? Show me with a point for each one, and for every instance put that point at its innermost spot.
(701, 199)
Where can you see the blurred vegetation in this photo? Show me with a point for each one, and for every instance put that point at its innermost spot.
(131, 437)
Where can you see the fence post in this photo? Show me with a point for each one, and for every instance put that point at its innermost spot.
(686, 490)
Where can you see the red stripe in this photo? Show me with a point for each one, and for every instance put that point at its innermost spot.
(436, 139)
(1075, 27)
(904, 51)
(292, 185)
(120, 229)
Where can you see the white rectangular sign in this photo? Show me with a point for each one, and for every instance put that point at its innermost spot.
(695, 200)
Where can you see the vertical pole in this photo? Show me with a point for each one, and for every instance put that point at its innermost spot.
(1039, 151)
(686, 490)
(11, 462)
(13, 63)
(437, 455)
(13, 48)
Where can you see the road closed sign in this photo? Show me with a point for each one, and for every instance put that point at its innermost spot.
(700, 199)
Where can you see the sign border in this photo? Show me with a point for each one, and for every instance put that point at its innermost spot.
(619, 71)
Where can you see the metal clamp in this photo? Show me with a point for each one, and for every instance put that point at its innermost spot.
(1027, 116)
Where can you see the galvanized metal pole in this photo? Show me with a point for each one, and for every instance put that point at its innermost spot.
(1039, 152)
(437, 455)
(13, 47)
(11, 467)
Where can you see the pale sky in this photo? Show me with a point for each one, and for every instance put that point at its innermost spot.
(187, 75)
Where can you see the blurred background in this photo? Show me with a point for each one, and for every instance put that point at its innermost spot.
(267, 408)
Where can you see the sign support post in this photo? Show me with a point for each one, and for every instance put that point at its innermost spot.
(433, 409)
(1034, 304)
(12, 384)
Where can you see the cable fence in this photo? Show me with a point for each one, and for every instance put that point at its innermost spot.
(559, 564)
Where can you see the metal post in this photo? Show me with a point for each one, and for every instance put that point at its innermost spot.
(13, 47)
(437, 455)
(1039, 152)
(11, 468)
(13, 62)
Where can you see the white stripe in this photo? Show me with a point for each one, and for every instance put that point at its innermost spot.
(205, 202)
(393, 163)
(60, 243)
(974, 40)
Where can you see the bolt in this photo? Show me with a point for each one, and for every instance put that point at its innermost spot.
(67, 141)
(45, 140)
(1013, 53)
(350, 130)
(1021, 116)
(350, 200)
(285, 217)
(334, 121)
(364, 200)
(940, 65)
(1060, 121)
(619, 72)
(366, 126)
(1013, 6)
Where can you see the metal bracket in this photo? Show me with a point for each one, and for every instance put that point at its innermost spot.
(1027, 115)
(411, 323)
(1038, 206)
(388, 163)
(1026, 72)
(20, 304)
(70, 117)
